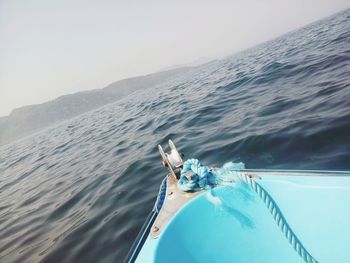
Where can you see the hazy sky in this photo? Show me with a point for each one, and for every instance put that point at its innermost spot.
(51, 48)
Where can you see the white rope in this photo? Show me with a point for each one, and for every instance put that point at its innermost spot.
(279, 218)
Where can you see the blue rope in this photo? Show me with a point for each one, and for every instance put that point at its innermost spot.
(201, 178)
(204, 178)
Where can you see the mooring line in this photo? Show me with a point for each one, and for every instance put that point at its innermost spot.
(279, 218)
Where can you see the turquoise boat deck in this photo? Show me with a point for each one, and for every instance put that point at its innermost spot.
(244, 227)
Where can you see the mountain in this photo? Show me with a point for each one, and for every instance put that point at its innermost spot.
(195, 63)
(29, 119)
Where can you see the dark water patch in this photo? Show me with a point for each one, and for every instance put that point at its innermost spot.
(236, 84)
(19, 160)
(201, 120)
(146, 125)
(168, 123)
(279, 106)
(342, 37)
(330, 88)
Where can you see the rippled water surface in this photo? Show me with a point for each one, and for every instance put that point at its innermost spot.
(79, 192)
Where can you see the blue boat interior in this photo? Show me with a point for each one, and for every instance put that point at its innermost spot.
(237, 224)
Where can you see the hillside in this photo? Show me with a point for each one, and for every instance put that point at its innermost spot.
(29, 119)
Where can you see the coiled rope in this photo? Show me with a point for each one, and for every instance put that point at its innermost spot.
(201, 177)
